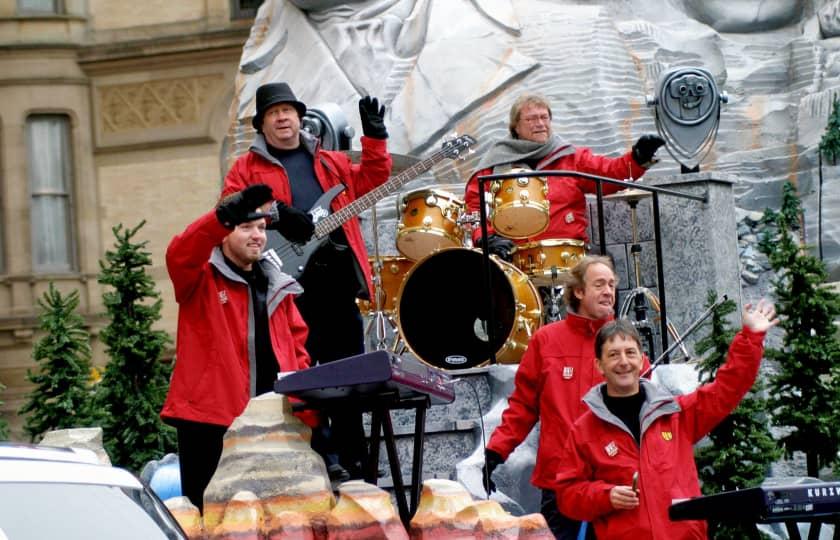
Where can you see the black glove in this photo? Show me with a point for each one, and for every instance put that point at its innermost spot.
(499, 246)
(296, 225)
(491, 461)
(645, 148)
(372, 115)
(242, 205)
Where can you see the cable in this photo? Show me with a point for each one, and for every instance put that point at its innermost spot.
(484, 475)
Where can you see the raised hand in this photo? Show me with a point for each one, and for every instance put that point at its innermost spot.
(296, 225)
(373, 118)
(645, 148)
(242, 206)
(761, 318)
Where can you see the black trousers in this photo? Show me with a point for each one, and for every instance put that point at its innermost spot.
(336, 331)
(562, 527)
(199, 450)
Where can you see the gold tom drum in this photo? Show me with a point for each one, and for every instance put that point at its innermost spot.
(391, 276)
(545, 260)
(442, 310)
(520, 206)
(428, 222)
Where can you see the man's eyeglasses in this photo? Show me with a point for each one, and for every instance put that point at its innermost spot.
(543, 118)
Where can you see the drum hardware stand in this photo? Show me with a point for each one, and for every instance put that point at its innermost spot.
(680, 340)
(379, 317)
(637, 296)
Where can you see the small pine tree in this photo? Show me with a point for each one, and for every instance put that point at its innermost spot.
(4, 426)
(741, 448)
(134, 382)
(830, 142)
(805, 391)
(63, 396)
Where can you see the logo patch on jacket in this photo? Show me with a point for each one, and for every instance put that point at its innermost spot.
(667, 435)
(570, 217)
(568, 372)
(223, 298)
(611, 449)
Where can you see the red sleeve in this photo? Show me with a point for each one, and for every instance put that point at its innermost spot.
(373, 168)
(299, 332)
(707, 406)
(578, 497)
(620, 168)
(523, 408)
(189, 251)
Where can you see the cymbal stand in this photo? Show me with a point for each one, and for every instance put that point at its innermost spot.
(379, 318)
(640, 296)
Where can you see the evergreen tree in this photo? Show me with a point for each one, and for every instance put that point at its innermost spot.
(830, 142)
(134, 383)
(63, 396)
(741, 448)
(805, 391)
(4, 426)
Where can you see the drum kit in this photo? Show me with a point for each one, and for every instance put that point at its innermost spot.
(431, 295)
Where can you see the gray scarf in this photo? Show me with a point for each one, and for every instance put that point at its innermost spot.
(510, 150)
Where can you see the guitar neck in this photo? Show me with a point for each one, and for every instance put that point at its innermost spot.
(333, 221)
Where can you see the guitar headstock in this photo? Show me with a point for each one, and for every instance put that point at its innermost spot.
(456, 148)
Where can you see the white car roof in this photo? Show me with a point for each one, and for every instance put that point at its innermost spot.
(63, 472)
(47, 453)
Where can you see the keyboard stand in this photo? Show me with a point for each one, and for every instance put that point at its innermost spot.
(382, 430)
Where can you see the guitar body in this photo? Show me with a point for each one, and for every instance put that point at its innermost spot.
(295, 257)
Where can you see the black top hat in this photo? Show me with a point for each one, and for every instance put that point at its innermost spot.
(272, 94)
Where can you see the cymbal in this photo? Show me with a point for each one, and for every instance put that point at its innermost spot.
(629, 195)
(400, 162)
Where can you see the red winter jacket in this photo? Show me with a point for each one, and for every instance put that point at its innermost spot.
(556, 371)
(214, 374)
(600, 452)
(257, 166)
(567, 203)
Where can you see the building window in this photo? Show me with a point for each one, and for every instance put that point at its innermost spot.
(244, 9)
(39, 6)
(50, 177)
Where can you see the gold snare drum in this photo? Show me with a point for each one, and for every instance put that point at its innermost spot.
(545, 260)
(429, 221)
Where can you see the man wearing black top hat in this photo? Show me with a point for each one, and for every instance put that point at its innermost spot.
(299, 171)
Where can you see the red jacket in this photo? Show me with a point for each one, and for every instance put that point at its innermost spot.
(257, 166)
(600, 452)
(567, 203)
(214, 373)
(556, 371)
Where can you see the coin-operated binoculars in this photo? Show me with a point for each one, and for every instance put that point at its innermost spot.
(687, 107)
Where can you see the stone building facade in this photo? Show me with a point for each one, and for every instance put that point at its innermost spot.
(111, 112)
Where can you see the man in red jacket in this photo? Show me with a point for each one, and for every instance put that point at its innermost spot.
(632, 453)
(237, 328)
(557, 370)
(299, 171)
(533, 145)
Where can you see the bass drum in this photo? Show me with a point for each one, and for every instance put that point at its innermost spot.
(442, 310)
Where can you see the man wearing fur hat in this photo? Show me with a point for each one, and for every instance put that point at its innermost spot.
(299, 171)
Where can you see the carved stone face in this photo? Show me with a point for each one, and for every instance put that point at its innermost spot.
(745, 15)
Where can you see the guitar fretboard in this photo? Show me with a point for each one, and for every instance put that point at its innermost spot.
(333, 221)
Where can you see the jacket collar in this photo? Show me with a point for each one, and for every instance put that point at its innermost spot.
(584, 325)
(259, 146)
(280, 284)
(658, 403)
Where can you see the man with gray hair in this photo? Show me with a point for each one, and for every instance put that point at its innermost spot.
(556, 371)
(533, 145)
